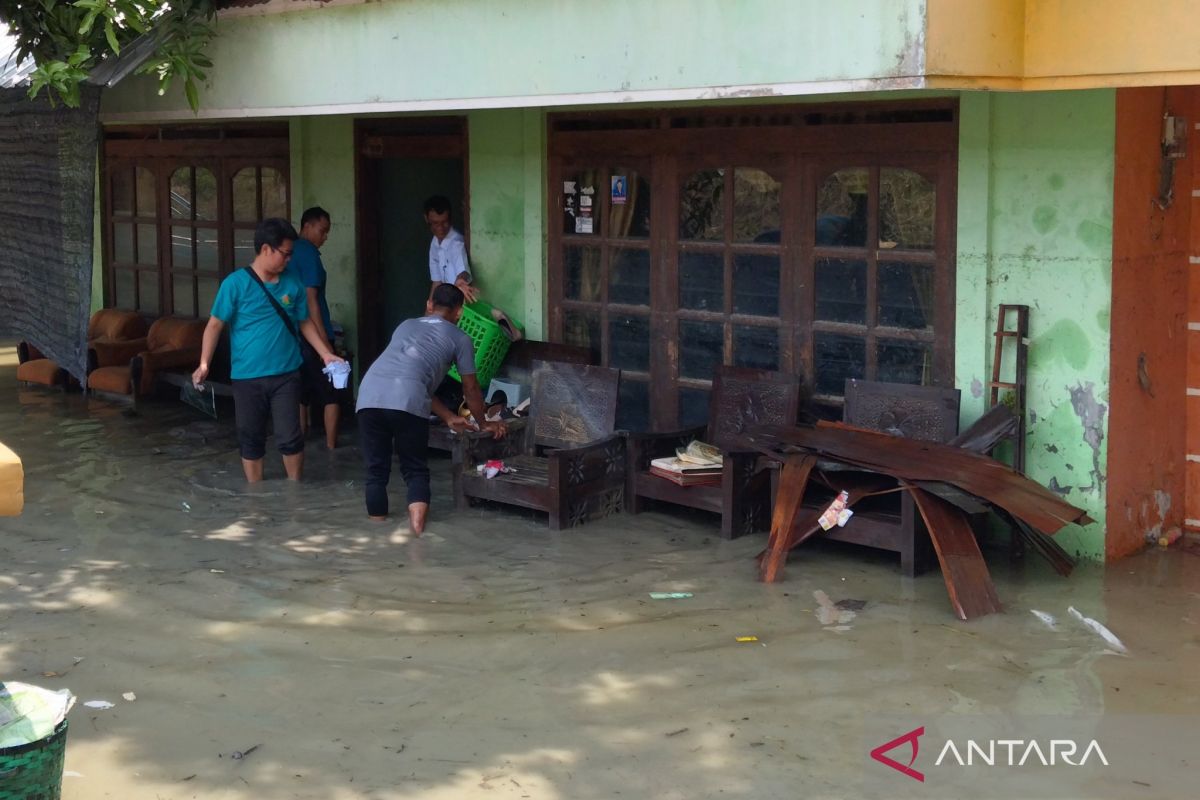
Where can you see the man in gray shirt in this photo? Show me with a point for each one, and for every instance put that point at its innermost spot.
(396, 397)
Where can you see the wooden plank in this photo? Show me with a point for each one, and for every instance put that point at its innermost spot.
(793, 480)
(966, 574)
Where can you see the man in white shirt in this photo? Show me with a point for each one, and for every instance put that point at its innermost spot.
(447, 251)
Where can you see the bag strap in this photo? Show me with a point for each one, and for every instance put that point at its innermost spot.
(283, 315)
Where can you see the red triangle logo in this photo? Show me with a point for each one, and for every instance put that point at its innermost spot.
(911, 738)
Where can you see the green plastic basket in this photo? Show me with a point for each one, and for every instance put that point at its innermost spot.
(34, 771)
(491, 344)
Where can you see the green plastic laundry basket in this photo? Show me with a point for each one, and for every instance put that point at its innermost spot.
(34, 771)
(491, 343)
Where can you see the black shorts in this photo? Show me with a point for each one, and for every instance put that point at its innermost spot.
(318, 389)
(275, 397)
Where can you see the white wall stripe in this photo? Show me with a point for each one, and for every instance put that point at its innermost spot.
(1193, 392)
(1192, 523)
(1194, 326)
(1194, 259)
(1195, 192)
(1193, 457)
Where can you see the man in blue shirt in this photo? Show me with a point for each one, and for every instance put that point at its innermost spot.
(306, 263)
(264, 307)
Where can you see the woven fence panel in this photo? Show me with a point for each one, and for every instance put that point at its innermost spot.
(47, 189)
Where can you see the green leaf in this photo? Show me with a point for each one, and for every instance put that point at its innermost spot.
(193, 97)
(110, 33)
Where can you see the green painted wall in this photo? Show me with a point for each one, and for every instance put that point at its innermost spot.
(1035, 227)
(507, 190)
(322, 174)
(472, 54)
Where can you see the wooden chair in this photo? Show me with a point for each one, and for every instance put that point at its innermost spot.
(107, 324)
(568, 461)
(890, 521)
(741, 398)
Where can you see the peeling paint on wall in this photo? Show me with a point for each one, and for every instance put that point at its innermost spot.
(1091, 415)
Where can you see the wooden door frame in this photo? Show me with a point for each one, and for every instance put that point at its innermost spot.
(395, 137)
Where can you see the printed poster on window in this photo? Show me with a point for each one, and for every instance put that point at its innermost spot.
(620, 190)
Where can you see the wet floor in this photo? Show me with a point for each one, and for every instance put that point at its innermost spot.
(493, 658)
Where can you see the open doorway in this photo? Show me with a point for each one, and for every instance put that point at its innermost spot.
(401, 162)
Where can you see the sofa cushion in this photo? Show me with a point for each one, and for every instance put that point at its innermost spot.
(111, 379)
(175, 333)
(116, 323)
(40, 370)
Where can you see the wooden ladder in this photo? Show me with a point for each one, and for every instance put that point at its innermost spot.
(1017, 386)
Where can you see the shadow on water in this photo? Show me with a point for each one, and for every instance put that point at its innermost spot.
(492, 657)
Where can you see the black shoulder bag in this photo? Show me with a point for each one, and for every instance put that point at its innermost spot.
(283, 315)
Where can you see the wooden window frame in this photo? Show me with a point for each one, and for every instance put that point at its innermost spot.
(794, 142)
(223, 150)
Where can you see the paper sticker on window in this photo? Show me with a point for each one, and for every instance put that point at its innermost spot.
(585, 202)
(583, 224)
(620, 190)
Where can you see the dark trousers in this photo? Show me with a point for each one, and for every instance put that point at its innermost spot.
(381, 432)
(255, 400)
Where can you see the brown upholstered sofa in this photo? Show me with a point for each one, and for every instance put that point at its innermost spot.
(110, 324)
(131, 368)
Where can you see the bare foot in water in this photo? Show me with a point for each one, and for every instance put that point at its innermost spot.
(416, 517)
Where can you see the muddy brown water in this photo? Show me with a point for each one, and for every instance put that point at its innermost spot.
(491, 657)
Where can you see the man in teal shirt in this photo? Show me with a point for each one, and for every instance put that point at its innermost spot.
(306, 264)
(266, 310)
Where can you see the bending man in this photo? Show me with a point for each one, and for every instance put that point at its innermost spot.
(397, 394)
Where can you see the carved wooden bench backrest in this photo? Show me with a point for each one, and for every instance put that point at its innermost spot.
(573, 404)
(929, 413)
(742, 398)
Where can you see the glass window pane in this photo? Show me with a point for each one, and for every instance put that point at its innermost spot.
(693, 407)
(755, 346)
(633, 405)
(702, 281)
(629, 277)
(181, 247)
(206, 293)
(905, 294)
(121, 181)
(904, 362)
(274, 194)
(125, 295)
(206, 194)
(836, 358)
(245, 197)
(701, 349)
(582, 329)
(755, 206)
(629, 342)
(756, 284)
(183, 295)
(701, 207)
(841, 290)
(206, 249)
(243, 248)
(122, 242)
(146, 206)
(842, 209)
(147, 244)
(907, 203)
(582, 265)
(629, 198)
(182, 206)
(148, 291)
(581, 202)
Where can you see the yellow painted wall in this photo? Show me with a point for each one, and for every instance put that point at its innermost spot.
(1061, 44)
